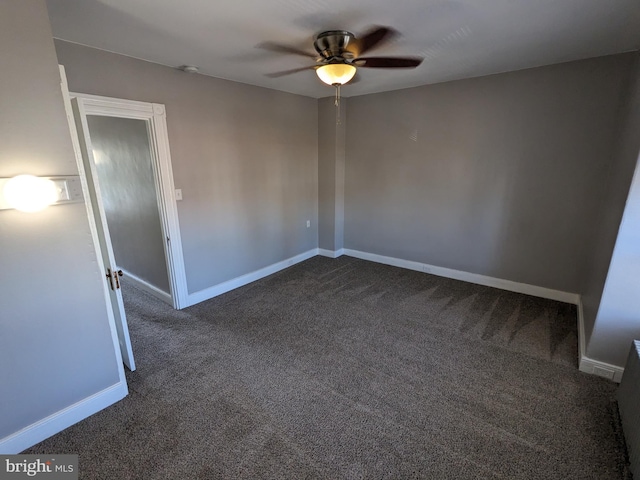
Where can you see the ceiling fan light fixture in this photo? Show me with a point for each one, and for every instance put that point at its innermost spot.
(336, 73)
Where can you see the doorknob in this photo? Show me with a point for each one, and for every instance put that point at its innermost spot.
(114, 281)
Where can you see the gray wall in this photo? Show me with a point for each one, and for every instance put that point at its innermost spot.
(502, 175)
(341, 158)
(331, 167)
(55, 341)
(246, 159)
(618, 322)
(611, 341)
(127, 186)
(498, 175)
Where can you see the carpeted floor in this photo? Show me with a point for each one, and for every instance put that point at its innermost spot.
(348, 369)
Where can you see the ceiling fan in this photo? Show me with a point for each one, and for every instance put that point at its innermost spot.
(339, 55)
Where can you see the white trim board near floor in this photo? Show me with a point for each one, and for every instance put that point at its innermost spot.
(247, 278)
(517, 287)
(601, 369)
(331, 253)
(586, 364)
(147, 287)
(589, 365)
(508, 285)
(35, 433)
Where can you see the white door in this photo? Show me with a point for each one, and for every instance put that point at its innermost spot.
(111, 274)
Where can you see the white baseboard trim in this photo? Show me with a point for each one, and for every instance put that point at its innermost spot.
(586, 364)
(42, 429)
(242, 280)
(602, 369)
(582, 336)
(509, 285)
(331, 253)
(589, 365)
(147, 287)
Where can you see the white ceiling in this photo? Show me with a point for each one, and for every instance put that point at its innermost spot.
(458, 38)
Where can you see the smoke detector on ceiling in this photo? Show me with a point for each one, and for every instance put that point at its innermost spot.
(189, 69)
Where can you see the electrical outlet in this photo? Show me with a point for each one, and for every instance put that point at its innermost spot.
(308, 223)
(178, 194)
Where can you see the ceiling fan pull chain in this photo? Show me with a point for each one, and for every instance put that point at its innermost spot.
(337, 103)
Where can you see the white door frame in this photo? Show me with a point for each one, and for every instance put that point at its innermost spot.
(155, 115)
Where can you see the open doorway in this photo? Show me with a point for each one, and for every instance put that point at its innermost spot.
(124, 168)
(134, 178)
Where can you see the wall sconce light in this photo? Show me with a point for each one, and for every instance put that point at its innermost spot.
(29, 193)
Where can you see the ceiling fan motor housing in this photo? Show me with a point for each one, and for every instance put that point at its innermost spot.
(335, 44)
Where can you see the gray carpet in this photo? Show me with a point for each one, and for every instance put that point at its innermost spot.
(348, 369)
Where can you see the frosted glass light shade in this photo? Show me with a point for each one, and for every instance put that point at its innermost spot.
(29, 194)
(336, 73)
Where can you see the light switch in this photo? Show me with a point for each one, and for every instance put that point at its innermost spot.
(178, 194)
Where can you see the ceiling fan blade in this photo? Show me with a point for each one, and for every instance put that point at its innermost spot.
(289, 72)
(374, 38)
(388, 62)
(277, 47)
